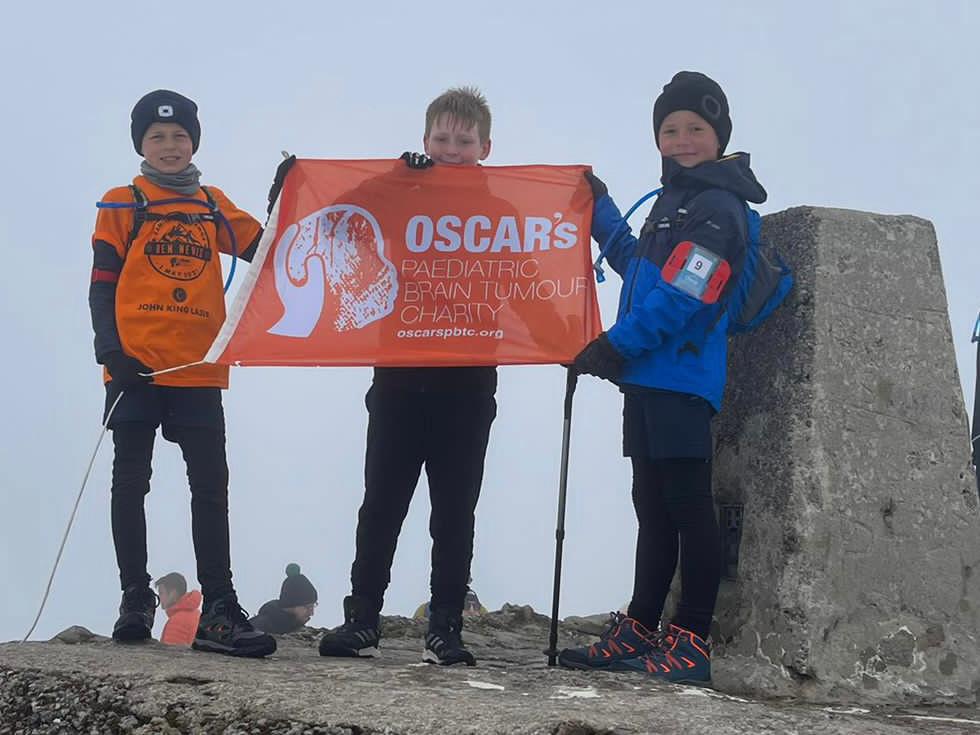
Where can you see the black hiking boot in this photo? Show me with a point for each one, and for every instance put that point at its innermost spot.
(224, 628)
(136, 613)
(444, 642)
(359, 635)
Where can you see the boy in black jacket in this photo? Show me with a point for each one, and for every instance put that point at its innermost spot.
(439, 417)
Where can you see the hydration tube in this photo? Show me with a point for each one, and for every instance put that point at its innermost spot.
(600, 275)
(187, 200)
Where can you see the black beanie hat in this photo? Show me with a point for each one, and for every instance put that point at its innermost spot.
(296, 589)
(691, 90)
(163, 105)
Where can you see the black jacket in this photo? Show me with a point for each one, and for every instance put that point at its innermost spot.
(273, 619)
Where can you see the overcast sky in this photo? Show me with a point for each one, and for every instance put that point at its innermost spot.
(864, 105)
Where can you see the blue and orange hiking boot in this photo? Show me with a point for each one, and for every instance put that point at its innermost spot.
(682, 657)
(625, 639)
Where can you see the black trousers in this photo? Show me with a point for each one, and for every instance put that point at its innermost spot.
(447, 432)
(207, 471)
(676, 513)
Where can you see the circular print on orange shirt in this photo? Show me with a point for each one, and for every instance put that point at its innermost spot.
(178, 250)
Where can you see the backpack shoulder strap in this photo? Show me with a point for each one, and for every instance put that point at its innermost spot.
(754, 222)
(139, 214)
(219, 219)
(212, 202)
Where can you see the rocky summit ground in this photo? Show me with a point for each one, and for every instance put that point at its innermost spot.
(86, 684)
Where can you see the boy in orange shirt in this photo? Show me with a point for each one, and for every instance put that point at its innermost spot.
(157, 302)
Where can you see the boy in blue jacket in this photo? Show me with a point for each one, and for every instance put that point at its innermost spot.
(667, 352)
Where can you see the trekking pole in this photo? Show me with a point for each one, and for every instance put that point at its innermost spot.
(572, 379)
(974, 428)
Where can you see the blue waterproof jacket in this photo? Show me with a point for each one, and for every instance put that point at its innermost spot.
(671, 340)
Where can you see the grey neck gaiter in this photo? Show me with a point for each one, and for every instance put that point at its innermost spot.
(183, 182)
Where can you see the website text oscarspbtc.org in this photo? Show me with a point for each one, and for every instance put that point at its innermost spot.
(449, 333)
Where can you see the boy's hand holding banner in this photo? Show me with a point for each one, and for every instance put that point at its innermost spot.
(372, 263)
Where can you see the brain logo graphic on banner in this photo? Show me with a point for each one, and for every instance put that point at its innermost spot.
(338, 250)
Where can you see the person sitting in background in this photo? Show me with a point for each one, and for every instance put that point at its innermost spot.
(183, 609)
(294, 608)
(471, 606)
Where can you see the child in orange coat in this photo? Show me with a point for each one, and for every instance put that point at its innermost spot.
(183, 609)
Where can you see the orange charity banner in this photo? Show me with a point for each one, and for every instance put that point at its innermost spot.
(369, 262)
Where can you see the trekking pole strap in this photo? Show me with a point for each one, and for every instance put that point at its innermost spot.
(570, 382)
(71, 518)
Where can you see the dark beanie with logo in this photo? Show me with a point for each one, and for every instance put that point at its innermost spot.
(296, 589)
(691, 90)
(164, 106)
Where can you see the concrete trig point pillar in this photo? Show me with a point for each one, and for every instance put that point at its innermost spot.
(843, 463)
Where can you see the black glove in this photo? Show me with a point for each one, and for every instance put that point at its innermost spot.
(416, 160)
(601, 359)
(277, 182)
(125, 370)
(599, 189)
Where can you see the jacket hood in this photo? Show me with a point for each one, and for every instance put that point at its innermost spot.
(272, 618)
(274, 610)
(731, 173)
(271, 608)
(190, 601)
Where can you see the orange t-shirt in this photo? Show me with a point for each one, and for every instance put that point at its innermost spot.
(170, 300)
